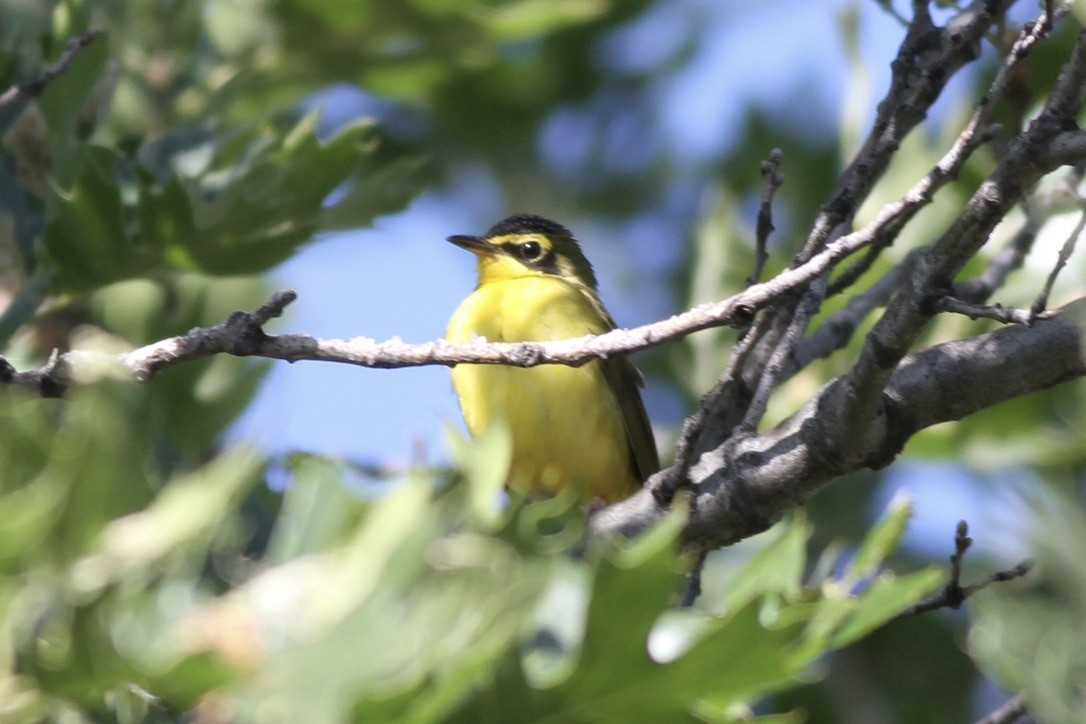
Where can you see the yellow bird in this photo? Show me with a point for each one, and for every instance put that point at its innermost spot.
(571, 426)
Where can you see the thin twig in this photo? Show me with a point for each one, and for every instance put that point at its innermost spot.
(241, 334)
(852, 273)
(1050, 14)
(927, 58)
(743, 485)
(925, 49)
(771, 181)
(34, 87)
(1005, 261)
(749, 336)
(972, 136)
(908, 316)
(677, 475)
(1010, 574)
(1038, 208)
(837, 330)
(968, 141)
(962, 543)
(1013, 710)
(1068, 248)
(692, 589)
(941, 174)
(954, 594)
(1006, 315)
(782, 356)
(893, 216)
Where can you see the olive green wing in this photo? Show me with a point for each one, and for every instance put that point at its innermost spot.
(625, 383)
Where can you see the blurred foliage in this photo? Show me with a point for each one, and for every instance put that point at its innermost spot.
(1022, 631)
(188, 188)
(129, 594)
(247, 208)
(148, 574)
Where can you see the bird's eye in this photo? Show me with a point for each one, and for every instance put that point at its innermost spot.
(530, 250)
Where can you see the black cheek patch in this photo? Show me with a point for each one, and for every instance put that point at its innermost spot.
(547, 263)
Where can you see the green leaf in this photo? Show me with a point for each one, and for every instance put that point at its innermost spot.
(249, 209)
(617, 677)
(271, 202)
(191, 405)
(1028, 634)
(1078, 9)
(776, 568)
(65, 97)
(27, 516)
(485, 462)
(522, 18)
(246, 214)
(886, 598)
(97, 452)
(433, 606)
(638, 581)
(378, 188)
(165, 219)
(318, 510)
(187, 512)
(188, 680)
(86, 235)
(880, 541)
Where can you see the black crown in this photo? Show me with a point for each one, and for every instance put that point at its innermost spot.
(527, 224)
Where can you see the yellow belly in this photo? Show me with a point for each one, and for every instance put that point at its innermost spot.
(565, 424)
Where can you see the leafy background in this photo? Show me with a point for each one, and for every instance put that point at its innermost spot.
(153, 562)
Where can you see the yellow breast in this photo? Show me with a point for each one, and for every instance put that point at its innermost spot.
(565, 423)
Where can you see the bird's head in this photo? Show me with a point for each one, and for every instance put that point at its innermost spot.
(525, 245)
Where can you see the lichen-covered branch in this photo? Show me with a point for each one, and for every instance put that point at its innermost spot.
(242, 335)
(746, 484)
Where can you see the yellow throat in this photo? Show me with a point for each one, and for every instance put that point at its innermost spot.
(570, 426)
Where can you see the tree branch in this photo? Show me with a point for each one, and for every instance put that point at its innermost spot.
(837, 330)
(997, 312)
(771, 181)
(1005, 261)
(907, 316)
(1012, 711)
(34, 87)
(1068, 147)
(744, 485)
(776, 366)
(241, 335)
(927, 59)
(1041, 303)
(954, 594)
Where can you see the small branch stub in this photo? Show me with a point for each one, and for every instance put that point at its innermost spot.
(33, 88)
(954, 594)
(771, 181)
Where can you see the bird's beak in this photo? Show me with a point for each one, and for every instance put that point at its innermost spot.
(474, 244)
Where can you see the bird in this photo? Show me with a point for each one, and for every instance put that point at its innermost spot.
(582, 427)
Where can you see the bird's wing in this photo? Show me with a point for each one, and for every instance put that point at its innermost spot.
(626, 382)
